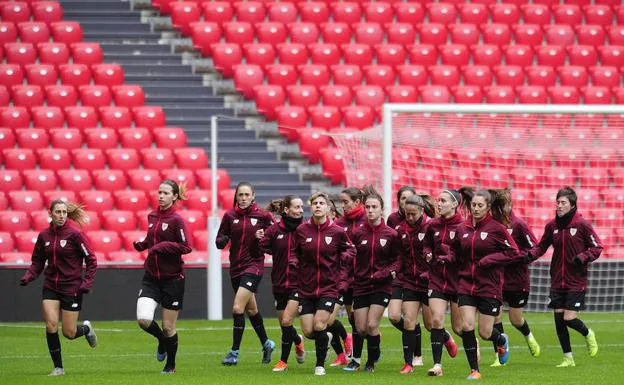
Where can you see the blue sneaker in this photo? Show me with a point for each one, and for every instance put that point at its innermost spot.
(161, 353)
(267, 349)
(352, 366)
(503, 351)
(231, 358)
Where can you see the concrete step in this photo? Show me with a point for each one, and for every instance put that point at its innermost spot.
(155, 69)
(156, 58)
(135, 47)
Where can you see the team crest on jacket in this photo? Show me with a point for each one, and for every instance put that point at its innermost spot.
(164, 226)
(510, 231)
(483, 236)
(437, 233)
(383, 242)
(364, 241)
(281, 236)
(556, 231)
(63, 242)
(328, 240)
(573, 231)
(421, 236)
(47, 243)
(253, 221)
(451, 234)
(235, 221)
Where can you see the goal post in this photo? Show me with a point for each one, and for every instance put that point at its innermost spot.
(532, 149)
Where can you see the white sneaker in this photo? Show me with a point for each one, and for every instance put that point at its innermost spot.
(91, 336)
(319, 371)
(57, 372)
(417, 361)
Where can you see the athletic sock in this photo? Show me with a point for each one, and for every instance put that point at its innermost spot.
(409, 340)
(500, 329)
(339, 330)
(155, 330)
(562, 333)
(171, 344)
(54, 346)
(470, 346)
(238, 330)
(400, 325)
(358, 345)
(524, 329)
(374, 352)
(497, 338)
(578, 325)
(418, 343)
(81, 330)
(335, 342)
(437, 341)
(296, 338)
(258, 325)
(287, 341)
(320, 342)
(446, 337)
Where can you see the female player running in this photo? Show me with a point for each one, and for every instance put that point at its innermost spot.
(239, 226)
(575, 244)
(64, 248)
(397, 217)
(167, 240)
(375, 266)
(277, 241)
(323, 250)
(482, 246)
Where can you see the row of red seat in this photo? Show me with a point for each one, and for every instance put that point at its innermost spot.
(184, 13)
(82, 117)
(126, 95)
(22, 11)
(68, 74)
(404, 33)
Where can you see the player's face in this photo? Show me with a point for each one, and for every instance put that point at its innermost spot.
(373, 209)
(319, 208)
(446, 205)
(479, 207)
(296, 208)
(347, 203)
(563, 206)
(59, 214)
(404, 195)
(166, 197)
(413, 213)
(244, 196)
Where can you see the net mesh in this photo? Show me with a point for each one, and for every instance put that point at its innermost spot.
(533, 154)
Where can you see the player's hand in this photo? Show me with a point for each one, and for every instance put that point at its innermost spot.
(23, 281)
(260, 234)
(528, 258)
(221, 243)
(577, 260)
(428, 257)
(138, 246)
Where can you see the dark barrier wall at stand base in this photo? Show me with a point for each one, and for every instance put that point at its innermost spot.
(115, 291)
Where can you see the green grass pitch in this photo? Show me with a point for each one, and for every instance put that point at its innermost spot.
(125, 355)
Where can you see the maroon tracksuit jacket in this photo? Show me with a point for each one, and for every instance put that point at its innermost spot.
(350, 223)
(444, 278)
(517, 277)
(577, 238)
(323, 253)
(166, 241)
(417, 242)
(378, 251)
(240, 227)
(64, 248)
(278, 242)
(482, 251)
(395, 219)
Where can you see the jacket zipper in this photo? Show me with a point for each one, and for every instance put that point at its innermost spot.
(472, 268)
(288, 260)
(54, 259)
(444, 265)
(563, 253)
(372, 259)
(318, 260)
(411, 241)
(156, 255)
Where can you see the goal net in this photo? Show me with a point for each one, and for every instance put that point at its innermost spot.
(532, 149)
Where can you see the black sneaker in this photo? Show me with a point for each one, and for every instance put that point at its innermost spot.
(168, 370)
(352, 367)
(370, 367)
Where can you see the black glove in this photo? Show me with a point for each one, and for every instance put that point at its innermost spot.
(221, 243)
(528, 258)
(138, 246)
(577, 260)
(83, 290)
(23, 281)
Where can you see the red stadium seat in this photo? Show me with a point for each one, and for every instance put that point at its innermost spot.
(535, 14)
(105, 241)
(432, 33)
(289, 118)
(11, 74)
(20, 53)
(135, 138)
(14, 117)
(357, 54)
(146, 180)
(527, 178)
(119, 220)
(149, 116)
(115, 117)
(75, 74)
(81, 117)
(53, 53)
(195, 220)
(336, 33)
(95, 96)
(13, 221)
(19, 159)
(180, 176)
(86, 53)
(559, 34)
(443, 13)
(390, 54)
(402, 94)
(53, 195)
(281, 74)
(129, 237)
(102, 138)
(498, 34)
(504, 13)
(183, 14)
(27, 201)
(346, 74)
(204, 34)
(532, 95)
(66, 32)
(379, 75)
(260, 54)
(123, 158)
(25, 241)
(302, 95)
(333, 168)
(27, 96)
(593, 35)
(200, 200)
(200, 239)
(467, 34)
(454, 54)
(434, 94)
(246, 76)
(575, 76)
(53, 158)
(596, 95)
(268, 98)
(48, 117)
(567, 14)
(7, 138)
(33, 32)
(16, 12)
(303, 33)
(423, 54)
(74, 180)
(325, 117)
(477, 75)
(529, 34)
(473, 13)
(131, 258)
(400, 33)
(169, 137)
(540, 75)
(109, 180)
(428, 178)
(204, 179)
(368, 33)
(509, 75)
(107, 74)
(157, 158)
(582, 55)
(412, 13)
(191, 158)
(564, 95)
(8, 32)
(381, 13)
(218, 11)
(467, 94)
(550, 55)
(606, 76)
(132, 200)
(61, 96)
(313, 74)
(237, 32)
(336, 95)
(88, 158)
(311, 141)
(372, 96)
(611, 55)
(616, 34)
(250, 11)
(6, 243)
(446, 75)
(128, 95)
(314, 12)
(520, 55)
(486, 55)
(346, 12)
(360, 117)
